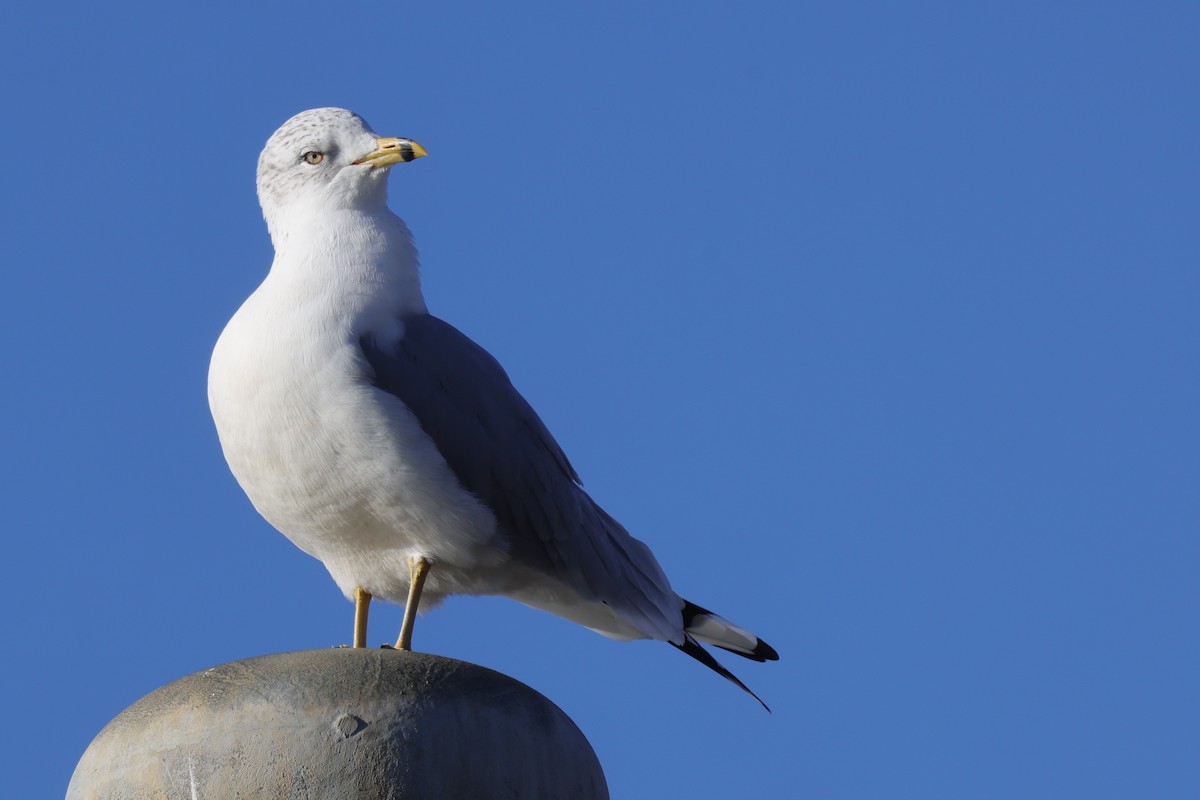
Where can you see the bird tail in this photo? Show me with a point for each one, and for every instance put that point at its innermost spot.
(703, 625)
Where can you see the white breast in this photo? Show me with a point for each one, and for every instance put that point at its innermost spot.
(340, 467)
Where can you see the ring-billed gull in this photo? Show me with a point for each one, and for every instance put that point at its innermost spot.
(388, 445)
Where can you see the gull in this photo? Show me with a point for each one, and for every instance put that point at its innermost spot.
(385, 443)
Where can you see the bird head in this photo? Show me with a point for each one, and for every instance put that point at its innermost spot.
(325, 160)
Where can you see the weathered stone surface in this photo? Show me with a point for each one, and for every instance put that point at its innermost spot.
(341, 723)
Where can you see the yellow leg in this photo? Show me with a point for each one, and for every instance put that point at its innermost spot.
(362, 602)
(418, 568)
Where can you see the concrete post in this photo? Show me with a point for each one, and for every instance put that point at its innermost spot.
(341, 723)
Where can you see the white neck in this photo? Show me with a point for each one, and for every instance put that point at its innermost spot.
(365, 260)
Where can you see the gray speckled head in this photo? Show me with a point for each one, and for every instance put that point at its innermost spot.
(309, 162)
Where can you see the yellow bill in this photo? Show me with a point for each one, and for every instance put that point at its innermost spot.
(393, 151)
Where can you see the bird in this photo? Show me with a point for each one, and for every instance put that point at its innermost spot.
(388, 445)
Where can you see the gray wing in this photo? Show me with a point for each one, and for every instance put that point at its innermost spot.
(501, 452)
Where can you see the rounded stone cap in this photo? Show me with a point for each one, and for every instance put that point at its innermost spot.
(341, 723)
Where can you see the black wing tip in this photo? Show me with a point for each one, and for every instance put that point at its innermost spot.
(693, 649)
(762, 651)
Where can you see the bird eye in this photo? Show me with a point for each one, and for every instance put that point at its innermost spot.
(313, 157)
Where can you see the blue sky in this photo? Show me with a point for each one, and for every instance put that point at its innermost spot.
(876, 321)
